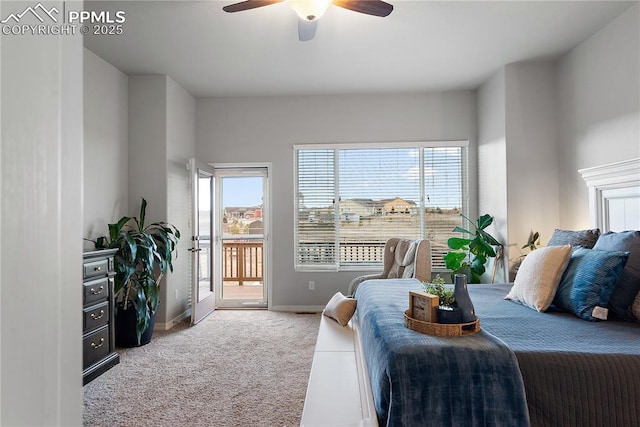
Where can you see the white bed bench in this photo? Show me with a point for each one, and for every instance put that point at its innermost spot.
(339, 391)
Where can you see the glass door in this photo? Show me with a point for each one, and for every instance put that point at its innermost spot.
(240, 248)
(203, 297)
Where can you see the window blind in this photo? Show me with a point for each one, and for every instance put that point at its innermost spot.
(316, 225)
(444, 189)
(379, 199)
(351, 200)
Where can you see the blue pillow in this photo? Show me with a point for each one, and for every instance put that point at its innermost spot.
(589, 281)
(629, 284)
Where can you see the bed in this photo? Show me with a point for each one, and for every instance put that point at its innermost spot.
(569, 371)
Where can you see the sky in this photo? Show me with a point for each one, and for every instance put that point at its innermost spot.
(236, 191)
(242, 191)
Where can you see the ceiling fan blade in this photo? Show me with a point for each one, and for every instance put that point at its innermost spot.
(249, 4)
(370, 7)
(306, 29)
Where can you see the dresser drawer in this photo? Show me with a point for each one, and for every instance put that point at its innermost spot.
(96, 290)
(95, 346)
(95, 268)
(95, 316)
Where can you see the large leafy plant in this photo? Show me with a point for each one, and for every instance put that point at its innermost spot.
(145, 252)
(470, 254)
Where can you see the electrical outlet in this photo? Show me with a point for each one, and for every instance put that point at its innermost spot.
(176, 294)
(312, 285)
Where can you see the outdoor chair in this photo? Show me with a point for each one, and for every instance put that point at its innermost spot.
(403, 258)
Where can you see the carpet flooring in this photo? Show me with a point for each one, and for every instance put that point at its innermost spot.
(235, 368)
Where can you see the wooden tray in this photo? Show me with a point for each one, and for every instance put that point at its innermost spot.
(442, 329)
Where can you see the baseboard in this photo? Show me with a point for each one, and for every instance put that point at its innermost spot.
(298, 308)
(173, 322)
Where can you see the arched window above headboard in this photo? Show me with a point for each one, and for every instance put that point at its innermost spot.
(614, 195)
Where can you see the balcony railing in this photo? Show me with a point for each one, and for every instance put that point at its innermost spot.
(242, 262)
(361, 253)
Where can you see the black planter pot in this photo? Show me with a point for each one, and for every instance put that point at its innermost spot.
(126, 328)
(448, 316)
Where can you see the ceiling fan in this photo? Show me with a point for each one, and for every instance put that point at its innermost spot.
(309, 11)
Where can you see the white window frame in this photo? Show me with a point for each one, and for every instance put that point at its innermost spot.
(464, 144)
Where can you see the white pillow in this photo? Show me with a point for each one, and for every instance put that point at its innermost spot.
(539, 276)
(340, 308)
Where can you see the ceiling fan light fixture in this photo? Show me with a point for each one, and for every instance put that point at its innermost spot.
(310, 10)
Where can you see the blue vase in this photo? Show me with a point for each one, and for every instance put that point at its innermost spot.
(461, 293)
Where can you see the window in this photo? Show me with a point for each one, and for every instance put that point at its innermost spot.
(350, 199)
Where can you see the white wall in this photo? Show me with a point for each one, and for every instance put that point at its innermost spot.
(161, 141)
(106, 146)
(517, 155)
(598, 109)
(236, 130)
(41, 228)
(148, 146)
(181, 137)
(532, 152)
(492, 153)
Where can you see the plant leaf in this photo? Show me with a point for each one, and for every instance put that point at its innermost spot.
(479, 247)
(458, 229)
(484, 221)
(453, 260)
(458, 242)
(143, 213)
(489, 238)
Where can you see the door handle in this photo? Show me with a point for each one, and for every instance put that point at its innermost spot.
(195, 250)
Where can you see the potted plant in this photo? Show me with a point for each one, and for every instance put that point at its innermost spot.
(145, 252)
(532, 244)
(447, 308)
(470, 254)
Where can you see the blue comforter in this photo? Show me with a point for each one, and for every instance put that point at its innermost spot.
(423, 380)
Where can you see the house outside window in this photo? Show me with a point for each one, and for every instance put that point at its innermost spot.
(351, 198)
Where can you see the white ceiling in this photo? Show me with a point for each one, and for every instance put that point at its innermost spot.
(422, 46)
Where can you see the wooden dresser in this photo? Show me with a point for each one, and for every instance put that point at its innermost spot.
(98, 326)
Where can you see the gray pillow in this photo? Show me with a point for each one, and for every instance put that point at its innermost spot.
(629, 284)
(585, 238)
(340, 308)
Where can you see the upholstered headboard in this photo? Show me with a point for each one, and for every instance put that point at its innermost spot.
(614, 195)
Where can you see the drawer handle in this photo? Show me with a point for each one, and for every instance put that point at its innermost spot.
(96, 317)
(98, 268)
(97, 346)
(99, 291)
